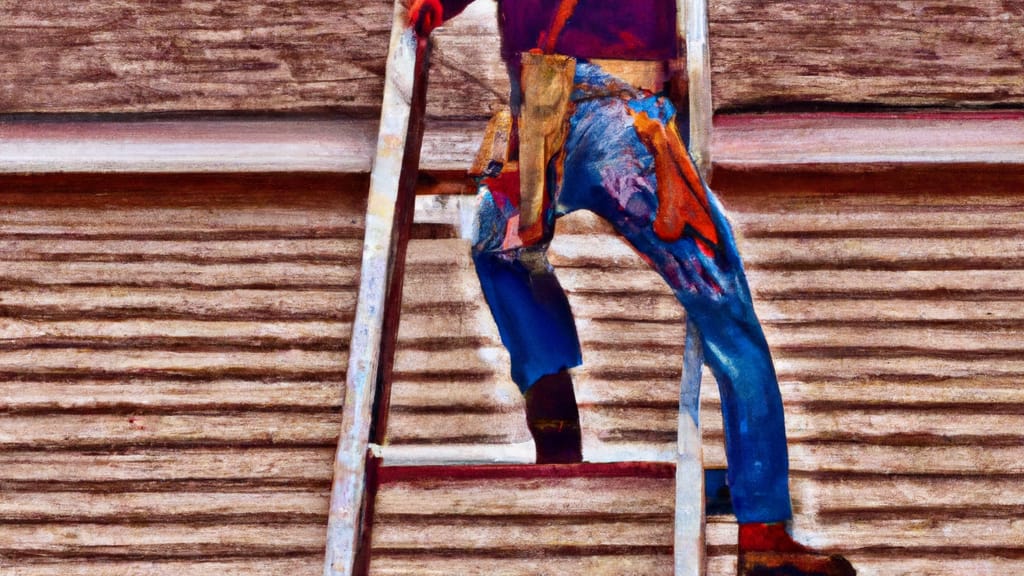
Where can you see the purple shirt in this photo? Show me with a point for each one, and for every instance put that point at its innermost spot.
(620, 29)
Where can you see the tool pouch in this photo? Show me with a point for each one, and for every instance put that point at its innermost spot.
(547, 83)
(495, 152)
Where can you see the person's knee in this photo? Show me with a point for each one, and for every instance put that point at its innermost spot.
(736, 349)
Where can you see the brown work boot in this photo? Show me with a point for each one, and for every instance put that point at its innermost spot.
(768, 550)
(554, 420)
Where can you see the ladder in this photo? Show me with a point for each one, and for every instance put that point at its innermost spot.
(357, 464)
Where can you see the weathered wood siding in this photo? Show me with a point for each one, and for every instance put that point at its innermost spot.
(196, 55)
(171, 369)
(891, 300)
(594, 526)
(172, 357)
(769, 53)
(287, 55)
(98, 56)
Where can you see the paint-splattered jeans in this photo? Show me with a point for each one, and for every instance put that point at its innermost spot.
(609, 171)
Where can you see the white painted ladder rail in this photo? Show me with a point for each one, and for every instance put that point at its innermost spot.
(349, 491)
(689, 545)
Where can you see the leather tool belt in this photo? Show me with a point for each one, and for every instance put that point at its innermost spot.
(547, 84)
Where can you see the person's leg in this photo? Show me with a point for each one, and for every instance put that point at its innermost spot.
(610, 170)
(536, 326)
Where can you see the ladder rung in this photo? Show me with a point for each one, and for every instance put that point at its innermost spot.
(519, 453)
(528, 471)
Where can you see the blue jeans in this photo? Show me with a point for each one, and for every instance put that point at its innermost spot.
(611, 172)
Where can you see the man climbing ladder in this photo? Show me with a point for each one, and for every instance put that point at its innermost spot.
(610, 145)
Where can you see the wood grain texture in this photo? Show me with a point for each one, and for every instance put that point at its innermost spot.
(159, 424)
(328, 55)
(329, 150)
(746, 141)
(157, 420)
(165, 469)
(231, 567)
(218, 145)
(191, 56)
(577, 525)
(167, 540)
(922, 53)
(890, 300)
(194, 55)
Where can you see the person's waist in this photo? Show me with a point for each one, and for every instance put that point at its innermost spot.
(641, 74)
(648, 75)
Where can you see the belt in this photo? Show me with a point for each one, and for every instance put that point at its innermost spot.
(649, 75)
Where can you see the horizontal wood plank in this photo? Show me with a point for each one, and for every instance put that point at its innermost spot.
(195, 364)
(417, 565)
(482, 536)
(841, 141)
(307, 564)
(167, 466)
(762, 140)
(498, 498)
(840, 499)
(162, 540)
(220, 145)
(142, 395)
(103, 431)
(68, 303)
(55, 249)
(157, 507)
(180, 275)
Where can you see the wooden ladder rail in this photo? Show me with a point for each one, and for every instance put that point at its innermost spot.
(389, 216)
(689, 542)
